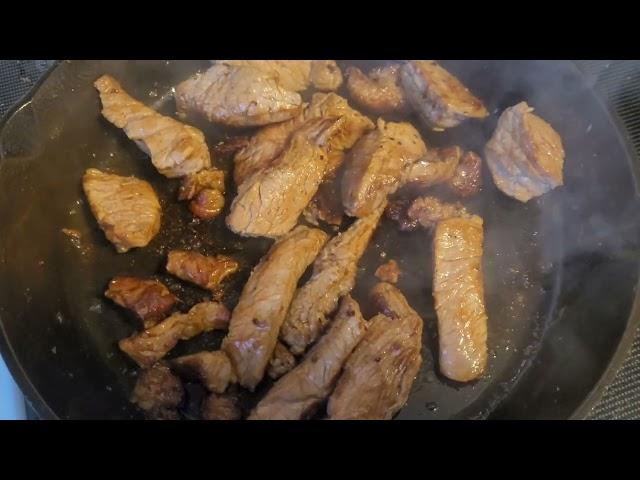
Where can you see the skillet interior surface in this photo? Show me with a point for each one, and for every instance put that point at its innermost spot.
(560, 271)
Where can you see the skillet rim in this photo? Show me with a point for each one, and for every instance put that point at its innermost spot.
(44, 411)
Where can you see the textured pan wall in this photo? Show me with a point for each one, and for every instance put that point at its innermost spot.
(618, 81)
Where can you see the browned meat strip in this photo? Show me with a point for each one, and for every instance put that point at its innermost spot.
(205, 189)
(148, 347)
(126, 208)
(281, 362)
(237, 96)
(388, 272)
(298, 394)
(206, 272)
(148, 299)
(158, 393)
(264, 302)
(270, 202)
(437, 166)
(270, 141)
(424, 212)
(437, 96)
(325, 75)
(376, 166)
(467, 179)
(525, 154)
(379, 91)
(326, 205)
(334, 275)
(378, 375)
(213, 369)
(175, 149)
(459, 298)
(221, 407)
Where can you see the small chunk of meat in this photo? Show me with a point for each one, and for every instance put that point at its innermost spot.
(439, 98)
(221, 407)
(148, 347)
(281, 362)
(176, 149)
(265, 300)
(388, 272)
(269, 142)
(206, 272)
(525, 154)
(269, 203)
(237, 96)
(439, 165)
(334, 275)
(149, 299)
(379, 374)
(458, 291)
(293, 75)
(205, 189)
(467, 179)
(397, 211)
(298, 394)
(379, 91)
(428, 211)
(158, 393)
(213, 369)
(376, 166)
(126, 208)
(325, 75)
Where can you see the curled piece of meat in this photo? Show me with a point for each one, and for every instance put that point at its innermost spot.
(439, 165)
(265, 300)
(467, 178)
(458, 291)
(281, 362)
(148, 347)
(298, 394)
(379, 91)
(126, 208)
(440, 99)
(158, 393)
(205, 189)
(238, 96)
(206, 272)
(221, 407)
(525, 154)
(325, 75)
(176, 149)
(388, 272)
(213, 369)
(149, 299)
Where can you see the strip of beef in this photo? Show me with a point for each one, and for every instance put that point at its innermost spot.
(205, 190)
(379, 91)
(525, 154)
(148, 347)
(378, 375)
(126, 208)
(175, 149)
(213, 369)
(158, 393)
(439, 165)
(270, 202)
(376, 166)
(265, 299)
(425, 211)
(206, 272)
(221, 407)
(325, 75)
(440, 99)
(281, 362)
(298, 394)
(467, 178)
(458, 291)
(148, 299)
(269, 142)
(334, 275)
(237, 96)
(388, 272)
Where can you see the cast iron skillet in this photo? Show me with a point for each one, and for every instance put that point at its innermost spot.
(560, 272)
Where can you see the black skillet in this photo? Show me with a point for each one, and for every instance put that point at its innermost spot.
(560, 272)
